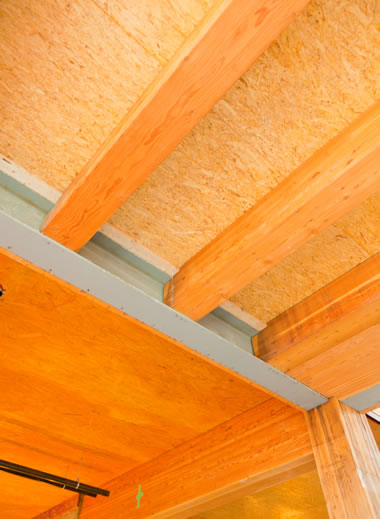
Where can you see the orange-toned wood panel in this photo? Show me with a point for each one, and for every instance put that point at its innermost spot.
(348, 461)
(230, 38)
(84, 387)
(330, 341)
(249, 450)
(332, 182)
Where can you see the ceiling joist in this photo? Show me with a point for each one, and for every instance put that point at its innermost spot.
(336, 179)
(231, 37)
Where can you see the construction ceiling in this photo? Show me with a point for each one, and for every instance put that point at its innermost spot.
(85, 389)
(72, 70)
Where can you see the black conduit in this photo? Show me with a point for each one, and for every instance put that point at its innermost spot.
(57, 481)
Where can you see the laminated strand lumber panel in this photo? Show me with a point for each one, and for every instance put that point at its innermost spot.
(71, 70)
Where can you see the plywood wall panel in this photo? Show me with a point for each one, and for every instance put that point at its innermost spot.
(301, 497)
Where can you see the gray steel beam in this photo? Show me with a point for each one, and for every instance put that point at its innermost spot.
(50, 256)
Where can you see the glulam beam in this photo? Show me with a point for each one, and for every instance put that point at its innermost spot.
(336, 179)
(330, 340)
(254, 450)
(230, 38)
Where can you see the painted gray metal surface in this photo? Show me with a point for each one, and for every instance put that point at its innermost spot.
(21, 202)
(365, 399)
(50, 256)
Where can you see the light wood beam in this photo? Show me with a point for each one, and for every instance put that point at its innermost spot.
(231, 37)
(255, 450)
(330, 340)
(347, 460)
(332, 182)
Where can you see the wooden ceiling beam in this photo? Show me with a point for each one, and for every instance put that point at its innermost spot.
(230, 38)
(264, 446)
(333, 181)
(330, 340)
(347, 459)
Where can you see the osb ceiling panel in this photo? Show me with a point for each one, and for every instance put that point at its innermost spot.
(310, 84)
(320, 261)
(71, 70)
(66, 85)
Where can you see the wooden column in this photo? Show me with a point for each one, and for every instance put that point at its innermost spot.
(347, 459)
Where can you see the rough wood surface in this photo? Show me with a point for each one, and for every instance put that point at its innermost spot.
(324, 258)
(317, 77)
(217, 53)
(347, 459)
(84, 388)
(320, 74)
(328, 185)
(70, 70)
(232, 457)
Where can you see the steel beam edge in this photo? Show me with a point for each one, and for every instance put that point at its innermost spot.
(76, 270)
(366, 399)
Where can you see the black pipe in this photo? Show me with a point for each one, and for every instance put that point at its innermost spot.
(51, 479)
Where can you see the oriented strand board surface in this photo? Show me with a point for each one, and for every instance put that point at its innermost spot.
(85, 389)
(310, 84)
(70, 70)
(320, 261)
(66, 85)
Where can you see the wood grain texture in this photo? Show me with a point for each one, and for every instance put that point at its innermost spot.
(348, 461)
(330, 341)
(318, 262)
(248, 450)
(340, 310)
(84, 387)
(300, 498)
(332, 182)
(313, 81)
(346, 369)
(218, 52)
